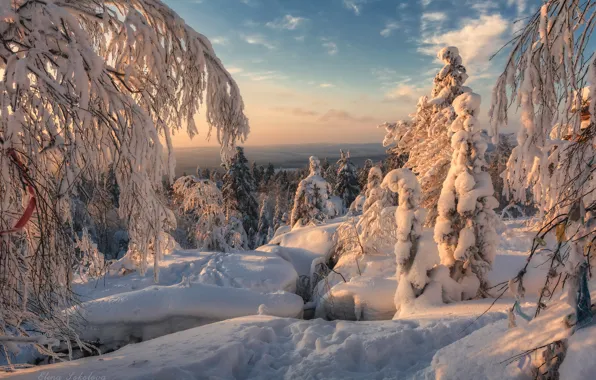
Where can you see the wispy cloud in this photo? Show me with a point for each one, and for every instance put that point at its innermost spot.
(520, 6)
(389, 28)
(263, 75)
(335, 115)
(287, 22)
(331, 46)
(354, 5)
(257, 39)
(299, 38)
(404, 92)
(220, 41)
(251, 3)
(296, 111)
(234, 70)
(326, 85)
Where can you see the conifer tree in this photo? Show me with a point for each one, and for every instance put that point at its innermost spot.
(257, 175)
(465, 229)
(424, 138)
(269, 173)
(346, 187)
(363, 173)
(238, 188)
(265, 222)
(310, 201)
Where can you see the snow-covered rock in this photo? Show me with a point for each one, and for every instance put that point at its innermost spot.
(160, 310)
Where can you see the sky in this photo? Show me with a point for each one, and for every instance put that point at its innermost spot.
(320, 71)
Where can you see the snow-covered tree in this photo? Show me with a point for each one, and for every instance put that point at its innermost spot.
(346, 186)
(330, 173)
(424, 138)
(413, 266)
(269, 173)
(376, 227)
(257, 174)
(364, 172)
(201, 201)
(310, 201)
(465, 229)
(87, 84)
(238, 193)
(547, 74)
(265, 222)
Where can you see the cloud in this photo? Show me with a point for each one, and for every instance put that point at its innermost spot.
(326, 85)
(296, 111)
(426, 3)
(354, 5)
(520, 6)
(257, 39)
(477, 40)
(404, 92)
(220, 41)
(263, 75)
(234, 70)
(250, 3)
(389, 28)
(431, 20)
(331, 47)
(287, 22)
(334, 115)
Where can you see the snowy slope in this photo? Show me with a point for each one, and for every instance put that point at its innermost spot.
(261, 347)
(485, 353)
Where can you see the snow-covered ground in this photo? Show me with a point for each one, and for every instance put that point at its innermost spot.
(264, 347)
(222, 293)
(195, 288)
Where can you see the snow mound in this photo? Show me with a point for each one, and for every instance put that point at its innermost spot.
(255, 270)
(316, 239)
(262, 347)
(159, 310)
(300, 258)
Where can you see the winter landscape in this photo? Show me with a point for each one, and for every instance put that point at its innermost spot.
(270, 189)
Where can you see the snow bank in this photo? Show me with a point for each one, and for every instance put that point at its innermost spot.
(317, 239)
(122, 309)
(300, 258)
(485, 353)
(380, 269)
(262, 347)
(256, 270)
(159, 310)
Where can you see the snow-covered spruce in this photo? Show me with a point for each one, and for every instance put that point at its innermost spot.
(238, 195)
(413, 265)
(265, 227)
(89, 86)
(376, 227)
(347, 186)
(465, 228)
(312, 195)
(423, 138)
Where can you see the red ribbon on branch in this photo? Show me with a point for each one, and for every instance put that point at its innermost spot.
(24, 219)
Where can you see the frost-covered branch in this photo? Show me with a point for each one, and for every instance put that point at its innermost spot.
(89, 85)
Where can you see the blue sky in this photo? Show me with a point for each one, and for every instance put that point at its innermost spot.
(331, 70)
